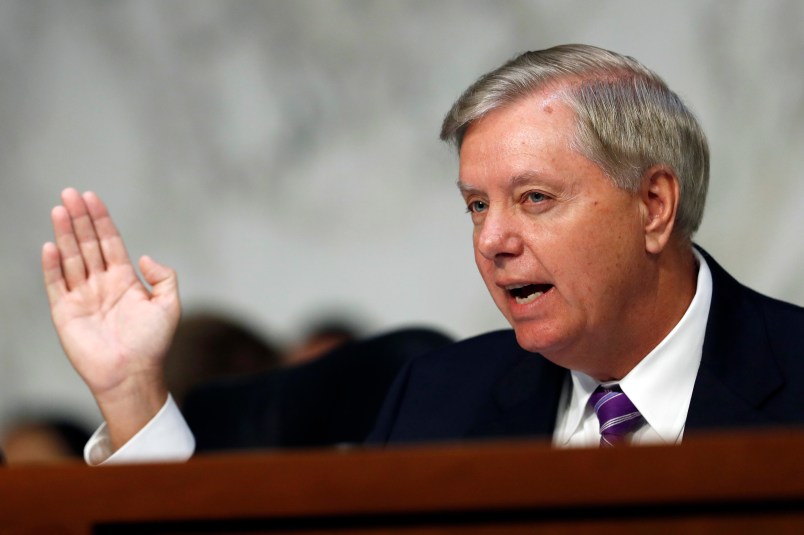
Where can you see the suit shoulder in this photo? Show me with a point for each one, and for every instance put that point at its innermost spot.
(480, 348)
(777, 307)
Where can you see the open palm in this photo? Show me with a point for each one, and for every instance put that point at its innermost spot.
(114, 330)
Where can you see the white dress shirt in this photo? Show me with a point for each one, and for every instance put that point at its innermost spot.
(660, 386)
(165, 438)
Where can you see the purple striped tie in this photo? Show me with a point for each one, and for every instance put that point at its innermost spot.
(618, 416)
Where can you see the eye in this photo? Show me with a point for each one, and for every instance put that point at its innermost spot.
(476, 207)
(535, 197)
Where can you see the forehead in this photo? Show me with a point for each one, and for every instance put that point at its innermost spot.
(531, 135)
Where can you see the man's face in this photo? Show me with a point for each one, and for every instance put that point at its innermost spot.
(560, 248)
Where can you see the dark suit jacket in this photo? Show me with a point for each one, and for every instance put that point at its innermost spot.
(751, 375)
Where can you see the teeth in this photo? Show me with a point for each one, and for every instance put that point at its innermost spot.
(529, 299)
(527, 292)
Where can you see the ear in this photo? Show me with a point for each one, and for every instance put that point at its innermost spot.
(659, 195)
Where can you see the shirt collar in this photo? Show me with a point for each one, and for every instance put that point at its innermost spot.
(660, 386)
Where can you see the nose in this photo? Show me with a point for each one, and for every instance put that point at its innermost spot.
(498, 236)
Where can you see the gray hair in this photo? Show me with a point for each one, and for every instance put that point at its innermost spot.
(627, 118)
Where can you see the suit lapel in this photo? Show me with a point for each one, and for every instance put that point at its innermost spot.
(737, 372)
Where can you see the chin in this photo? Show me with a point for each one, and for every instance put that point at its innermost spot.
(529, 342)
(546, 342)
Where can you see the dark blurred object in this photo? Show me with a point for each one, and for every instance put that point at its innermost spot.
(44, 440)
(210, 346)
(320, 338)
(331, 400)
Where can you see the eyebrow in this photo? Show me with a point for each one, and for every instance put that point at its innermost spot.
(513, 182)
(466, 189)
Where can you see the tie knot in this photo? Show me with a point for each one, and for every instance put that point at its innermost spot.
(617, 415)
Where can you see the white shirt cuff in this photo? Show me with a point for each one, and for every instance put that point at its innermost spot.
(166, 438)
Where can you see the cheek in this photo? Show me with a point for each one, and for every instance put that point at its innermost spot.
(607, 262)
(591, 254)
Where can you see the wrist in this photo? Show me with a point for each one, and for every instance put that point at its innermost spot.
(130, 406)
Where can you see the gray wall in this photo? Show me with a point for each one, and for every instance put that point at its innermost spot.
(283, 156)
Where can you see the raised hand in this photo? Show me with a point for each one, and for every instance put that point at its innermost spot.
(114, 330)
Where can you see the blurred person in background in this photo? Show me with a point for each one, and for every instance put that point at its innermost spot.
(43, 439)
(211, 345)
(320, 337)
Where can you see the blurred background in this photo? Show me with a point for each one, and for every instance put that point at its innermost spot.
(283, 155)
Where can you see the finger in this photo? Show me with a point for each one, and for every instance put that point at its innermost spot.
(84, 230)
(72, 263)
(55, 286)
(112, 246)
(164, 287)
(163, 280)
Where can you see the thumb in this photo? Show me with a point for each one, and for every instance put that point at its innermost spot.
(163, 280)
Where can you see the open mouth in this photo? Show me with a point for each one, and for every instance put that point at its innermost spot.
(527, 293)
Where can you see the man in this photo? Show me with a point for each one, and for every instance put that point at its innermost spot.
(585, 179)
